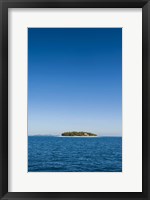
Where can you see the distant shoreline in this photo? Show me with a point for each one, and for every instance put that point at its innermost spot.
(79, 136)
(73, 136)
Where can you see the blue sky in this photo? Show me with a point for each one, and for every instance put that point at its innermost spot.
(75, 80)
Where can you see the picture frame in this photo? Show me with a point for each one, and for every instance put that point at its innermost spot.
(4, 6)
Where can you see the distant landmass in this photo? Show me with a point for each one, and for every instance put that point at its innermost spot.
(74, 133)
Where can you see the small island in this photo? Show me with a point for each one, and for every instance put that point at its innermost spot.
(77, 134)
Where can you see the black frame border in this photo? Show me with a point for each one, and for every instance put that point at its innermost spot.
(4, 6)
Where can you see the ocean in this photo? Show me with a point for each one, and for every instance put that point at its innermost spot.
(74, 154)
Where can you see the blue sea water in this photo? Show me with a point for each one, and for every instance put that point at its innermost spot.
(69, 154)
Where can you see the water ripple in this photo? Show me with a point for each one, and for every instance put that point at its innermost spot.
(58, 154)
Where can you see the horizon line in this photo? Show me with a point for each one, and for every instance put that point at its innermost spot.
(58, 135)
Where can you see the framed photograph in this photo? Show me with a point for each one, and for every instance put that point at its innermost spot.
(74, 99)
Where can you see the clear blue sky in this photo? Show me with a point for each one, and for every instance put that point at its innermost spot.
(75, 80)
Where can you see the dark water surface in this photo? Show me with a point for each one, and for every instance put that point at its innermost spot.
(68, 154)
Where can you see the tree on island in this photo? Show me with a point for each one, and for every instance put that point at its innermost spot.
(75, 133)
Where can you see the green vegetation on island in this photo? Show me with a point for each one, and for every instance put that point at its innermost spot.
(75, 133)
